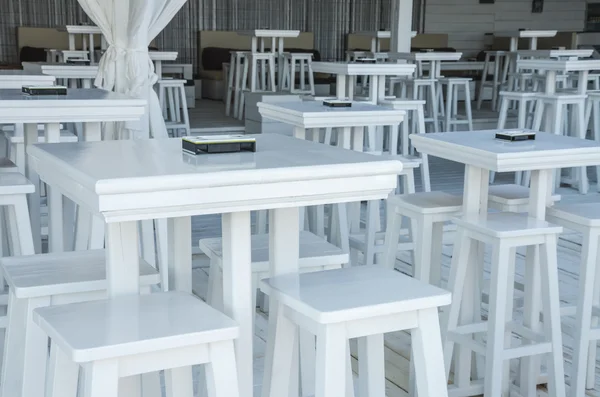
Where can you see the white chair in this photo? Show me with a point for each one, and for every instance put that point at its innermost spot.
(42, 280)
(362, 302)
(136, 335)
(171, 94)
(505, 232)
(585, 219)
(453, 118)
(494, 65)
(427, 212)
(302, 62)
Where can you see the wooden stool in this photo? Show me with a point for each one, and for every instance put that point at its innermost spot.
(505, 232)
(425, 89)
(495, 62)
(315, 254)
(42, 280)
(134, 335)
(453, 119)
(427, 212)
(174, 106)
(363, 302)
(255, 65)
(234, 82)
(288, 78)
(585, 219)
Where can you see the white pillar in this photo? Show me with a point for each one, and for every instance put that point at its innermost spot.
(401, 25)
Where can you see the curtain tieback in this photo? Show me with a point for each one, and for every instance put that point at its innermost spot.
(133, 57)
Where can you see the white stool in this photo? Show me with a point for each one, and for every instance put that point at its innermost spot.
(427, 212)
(495, 62)
(426, 89)
(362, 302)
(288, 78)
(592, 115)
(453, 119)
(585, 219)
(511, 198)
(257, 63)
(370, 241)
(14, 188)
(234, 82)
(42, 280)
(174, 106)
(315, 254)
(558, 104)
(416, 119)
(135, 335)
(505, 232)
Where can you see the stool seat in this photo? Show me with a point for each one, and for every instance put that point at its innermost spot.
(428, 202)
(171, 82)
(65, 136)
(511, 195)
(353, 293)
(519, 94)
(15, 183)
(34, 276)
(584, 214)
(132, 325)
(6, 165)
(446, 80)
(507, 225)
(563, 96)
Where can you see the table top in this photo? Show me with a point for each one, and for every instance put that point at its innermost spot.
(527, 33)
(364, 69)
(76, 97)
(313, 114)
(163, 55)
(149, 179)
(426, 56)
(481, 149)
(81, 29)
(380, 34)
(269, 33)
(585, 53)
(18, 78)
(62, 70)
(561, 65)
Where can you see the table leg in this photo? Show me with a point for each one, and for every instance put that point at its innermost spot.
(340, 86)
(56, 229)
(237, 290)
(180, 254)
(533, 43)
(299, 133)
(284, 251)
(122, 259)
(71, 42)
(33, 200)
(158, 68)
(92, 49)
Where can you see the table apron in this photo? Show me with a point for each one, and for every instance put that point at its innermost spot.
(70, 115)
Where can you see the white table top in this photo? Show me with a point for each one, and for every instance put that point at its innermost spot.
(559, 65)
(18, 78)
(81, 29)
(149, 179)
(426, 56)
(270, 33)
(163, 55)
(380, 34)
(313, 114)
(481, 149)
(556, 53)
(527, 33)
(62, 70)
(79, 105)
(364, 69)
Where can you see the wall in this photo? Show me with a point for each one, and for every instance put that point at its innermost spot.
(467, 21)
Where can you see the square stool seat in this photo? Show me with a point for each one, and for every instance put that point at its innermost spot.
(133, 325)
(428, 202)
(6, 165)
(353, 293)
(15, 183)
(60, 273)
(507, 225)
(512, 194)
(583, 214)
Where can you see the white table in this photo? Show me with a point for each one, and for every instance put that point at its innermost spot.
(432, 59)
(88, 106)
(277, 37)
(377, 36)
(569, 54)
(18, 78)
(346, 73)
(153, 179)
(87, 31)
(158, 57)
(532, 35)
(482, 153)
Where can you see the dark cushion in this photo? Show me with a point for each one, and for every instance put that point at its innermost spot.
(32, 54)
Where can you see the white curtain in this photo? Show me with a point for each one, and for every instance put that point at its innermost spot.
(129, 26)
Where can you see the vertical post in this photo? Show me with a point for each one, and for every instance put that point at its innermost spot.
(401, 25)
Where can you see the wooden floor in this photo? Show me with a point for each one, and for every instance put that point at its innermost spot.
(446, 176)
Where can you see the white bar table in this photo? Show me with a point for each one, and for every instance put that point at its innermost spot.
(88, 106)
(88, 32)
(560, 54)
(346, 73)
(532, 35)
(18, 78)
(129, 181)
(377, 36)
(433, 59)
(68, 72)
(158, 57)
(482, 153)
(277, 37)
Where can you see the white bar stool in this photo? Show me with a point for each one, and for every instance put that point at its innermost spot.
(135, 335)
(302, 62)
(505, 232)
(427, 212)
(43, 280)
(494, 65)
(174, 106)
(426, 89)
(585, 219)
(250, 78)
(362, 302)
(452, 85)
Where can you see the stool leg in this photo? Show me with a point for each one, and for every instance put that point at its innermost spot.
(503, 113)
(427, 355)
(468, 105)
(63, 375)
(222, 371)
(422, 246)
(582, 132)
(372, 215)
(214, 293)
(482, 83)
(539, 113)
(311, 78)
(434, 107)
(425, 177)
(307, 362)
(102, 378)
(283, 347)
(331, 362)
(20, 213)
(371, 372)
(178, 381)
(437, 238)
(587, 282)
(449, 93)
(230, 85)
(392, 234)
